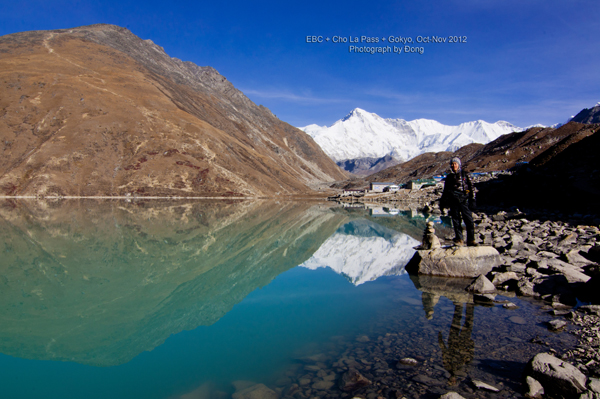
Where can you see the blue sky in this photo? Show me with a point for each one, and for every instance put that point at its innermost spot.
(524, 61)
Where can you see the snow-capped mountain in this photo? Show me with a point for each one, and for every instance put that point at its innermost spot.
(362, 134)
(363, 251)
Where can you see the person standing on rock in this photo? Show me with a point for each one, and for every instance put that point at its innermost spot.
(458, 192)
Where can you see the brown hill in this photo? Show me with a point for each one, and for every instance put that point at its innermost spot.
(565, 177)
(536, 145)
(96, 110)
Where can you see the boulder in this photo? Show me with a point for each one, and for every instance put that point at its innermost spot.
(455, 261)
(501, 278)
(572, 273)
(481, 285)
(557, 376)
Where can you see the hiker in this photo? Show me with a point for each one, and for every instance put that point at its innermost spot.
(458, 195)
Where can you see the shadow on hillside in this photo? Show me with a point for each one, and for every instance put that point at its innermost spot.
(568, 183)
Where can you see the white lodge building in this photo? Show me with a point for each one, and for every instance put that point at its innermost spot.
(378, 187)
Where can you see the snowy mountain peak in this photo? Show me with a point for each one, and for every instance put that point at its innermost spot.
(362, 134)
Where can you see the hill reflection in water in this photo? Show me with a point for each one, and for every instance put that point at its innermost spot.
(99, 282)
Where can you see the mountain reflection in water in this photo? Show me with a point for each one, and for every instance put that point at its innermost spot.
(99, 282)
(364, 251)
(195, 299)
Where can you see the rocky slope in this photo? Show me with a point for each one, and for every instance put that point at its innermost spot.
(97, 111)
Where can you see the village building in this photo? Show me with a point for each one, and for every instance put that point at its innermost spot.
(378, 187)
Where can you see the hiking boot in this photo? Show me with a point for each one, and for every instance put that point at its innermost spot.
(472, 244)
(459, 242)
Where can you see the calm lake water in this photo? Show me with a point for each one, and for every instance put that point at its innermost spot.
(114, 299)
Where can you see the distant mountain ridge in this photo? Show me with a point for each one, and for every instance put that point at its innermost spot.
(364, 138)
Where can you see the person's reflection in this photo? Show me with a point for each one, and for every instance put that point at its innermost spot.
(461, 347)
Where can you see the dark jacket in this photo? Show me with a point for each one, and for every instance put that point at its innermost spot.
(457, 188)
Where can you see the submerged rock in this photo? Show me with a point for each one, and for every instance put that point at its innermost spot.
(556, 325)
(353, 380)
(455, 261)
(258, 391)
(483, 385)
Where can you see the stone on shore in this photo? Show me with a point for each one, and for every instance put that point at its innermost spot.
(481, 285)
(559, 377)
(535, 390)
(452, 395)
(455, 261)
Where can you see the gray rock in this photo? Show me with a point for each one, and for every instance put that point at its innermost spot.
(526, 288)
(572, 273)
(408, 361)
(501, 278)
(517, 268)
(455, 261)
(451, 395)
(556, 325)
(567, 239)
(559, 377)
(594, 384)
(425, 380)
(535, 390)
(483, 385)
(323, 385)
(484, 299)
(517, 320)
(481, 285)
(591, 309)
(574, 257)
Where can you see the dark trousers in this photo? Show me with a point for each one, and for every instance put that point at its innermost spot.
(460, 212)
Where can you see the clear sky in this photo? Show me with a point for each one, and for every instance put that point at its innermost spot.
(524, 61)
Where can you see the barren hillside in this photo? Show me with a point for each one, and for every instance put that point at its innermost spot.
(96, 110)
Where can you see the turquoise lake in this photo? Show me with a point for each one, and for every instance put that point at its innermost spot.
(192, 300)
